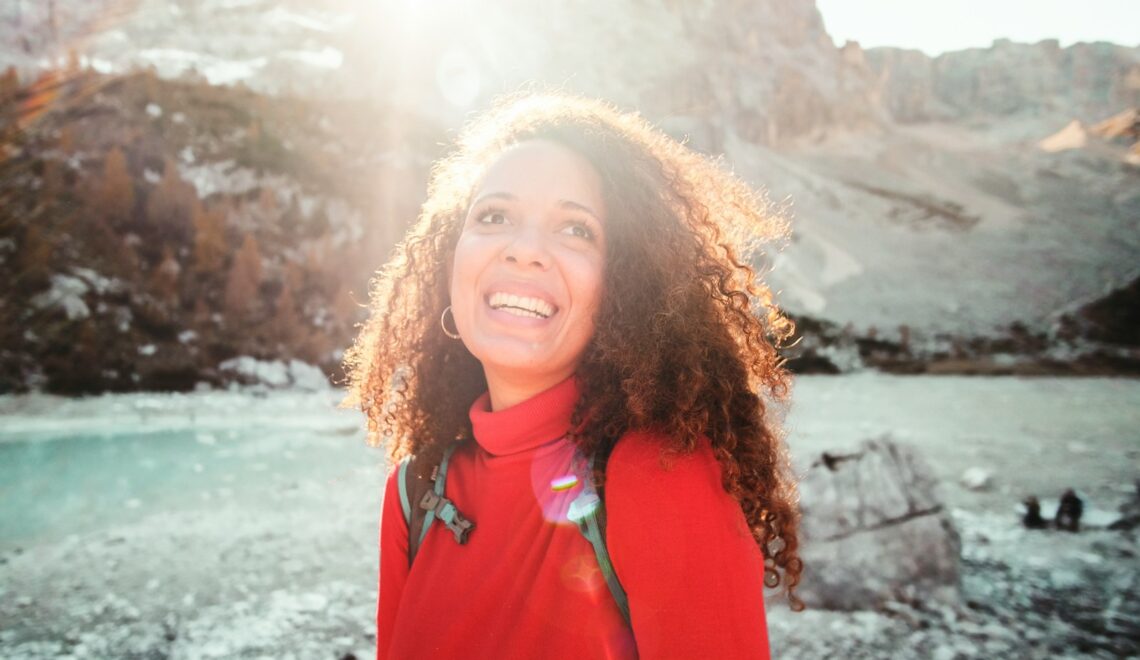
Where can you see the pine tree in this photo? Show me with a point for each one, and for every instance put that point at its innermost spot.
(209, 239)
(170, 205)
(52, 179)
(67, 140)
(9, 83)
(267, 200)
(317, 256)
(164, 280)
(33, 259)
(73, 65)
(150, 83)
(284, 326)
(202, 312)
(244, 278)
(115, 196)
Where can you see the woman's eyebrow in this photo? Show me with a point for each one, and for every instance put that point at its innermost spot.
(565, 203)
(495, 195)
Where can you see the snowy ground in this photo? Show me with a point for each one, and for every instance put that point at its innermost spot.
(216, 525)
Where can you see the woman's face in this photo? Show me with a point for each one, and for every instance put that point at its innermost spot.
(527, 275)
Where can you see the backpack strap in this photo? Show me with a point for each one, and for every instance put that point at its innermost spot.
(402, 482)
(438, 506)
(588, 511)
(425, 487)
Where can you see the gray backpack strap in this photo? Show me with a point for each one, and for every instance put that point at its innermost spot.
(427, 491)
(588, 511)
(438, 506)
(414, 482)
(402, 482)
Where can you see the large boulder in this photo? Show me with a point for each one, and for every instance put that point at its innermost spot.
(874, 531)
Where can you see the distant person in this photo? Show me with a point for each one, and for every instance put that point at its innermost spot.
(571, 346)
(1032, 518)
(1069, 510)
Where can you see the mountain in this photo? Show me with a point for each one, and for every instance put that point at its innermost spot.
(1086, 81)
(971, 212)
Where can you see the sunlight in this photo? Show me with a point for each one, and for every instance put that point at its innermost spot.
(457, 76)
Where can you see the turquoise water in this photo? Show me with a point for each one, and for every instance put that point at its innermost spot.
(57, 481)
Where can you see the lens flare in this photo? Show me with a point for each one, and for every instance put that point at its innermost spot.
(563, 483)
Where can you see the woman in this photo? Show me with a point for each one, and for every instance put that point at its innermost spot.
(572, 289)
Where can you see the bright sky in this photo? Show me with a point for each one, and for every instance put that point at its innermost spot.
(936, 27)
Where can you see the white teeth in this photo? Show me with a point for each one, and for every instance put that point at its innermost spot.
(521, 305)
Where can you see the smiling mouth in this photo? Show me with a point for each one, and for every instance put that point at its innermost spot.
(521, 305)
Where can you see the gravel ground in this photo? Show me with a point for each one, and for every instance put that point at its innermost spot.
(146, 526)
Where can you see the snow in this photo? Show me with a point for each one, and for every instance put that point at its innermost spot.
(326, 58)
(277, 374)
(175, 62)
(282, 15)
(243, 524)
(66, 293)
(218, 177)
(99, 283)
(122, 318)
(101, 65)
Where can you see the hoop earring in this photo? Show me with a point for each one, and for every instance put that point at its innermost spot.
(442, 324)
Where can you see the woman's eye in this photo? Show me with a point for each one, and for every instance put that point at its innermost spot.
(580, 231)
(492, 218)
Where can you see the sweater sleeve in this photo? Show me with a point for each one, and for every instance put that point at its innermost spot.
(682, 550)
(393, 564)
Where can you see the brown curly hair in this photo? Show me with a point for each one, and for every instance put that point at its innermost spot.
(686, 336)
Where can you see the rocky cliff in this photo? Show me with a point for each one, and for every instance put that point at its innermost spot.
(949, 215)
(1086, 81)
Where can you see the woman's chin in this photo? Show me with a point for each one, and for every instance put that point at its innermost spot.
(519, 358)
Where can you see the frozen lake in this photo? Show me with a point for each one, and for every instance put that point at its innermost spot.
(218, 524)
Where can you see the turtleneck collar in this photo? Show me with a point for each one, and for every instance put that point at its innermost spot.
(543, 418)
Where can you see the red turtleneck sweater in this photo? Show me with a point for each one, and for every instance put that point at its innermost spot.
(527, 584)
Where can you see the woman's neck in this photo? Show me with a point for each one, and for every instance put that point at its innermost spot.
(507, 389)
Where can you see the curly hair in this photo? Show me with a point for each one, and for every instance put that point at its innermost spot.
(686, 336)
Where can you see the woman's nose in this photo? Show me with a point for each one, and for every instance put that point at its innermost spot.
(528, 248)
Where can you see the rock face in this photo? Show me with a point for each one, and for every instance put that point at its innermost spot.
(937, 225)
(765, 68)
(1085, 80)
(861, 509)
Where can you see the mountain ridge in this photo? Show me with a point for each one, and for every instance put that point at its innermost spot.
(926, 232)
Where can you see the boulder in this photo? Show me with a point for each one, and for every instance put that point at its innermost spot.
(976, 479)
(874, 531)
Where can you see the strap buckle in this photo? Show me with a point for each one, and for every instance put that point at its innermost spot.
(451, 516)
(583, 506)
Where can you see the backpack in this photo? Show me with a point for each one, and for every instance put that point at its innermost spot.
(425, 484)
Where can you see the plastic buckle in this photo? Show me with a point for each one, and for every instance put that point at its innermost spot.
(582, 506)
(444, 510)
